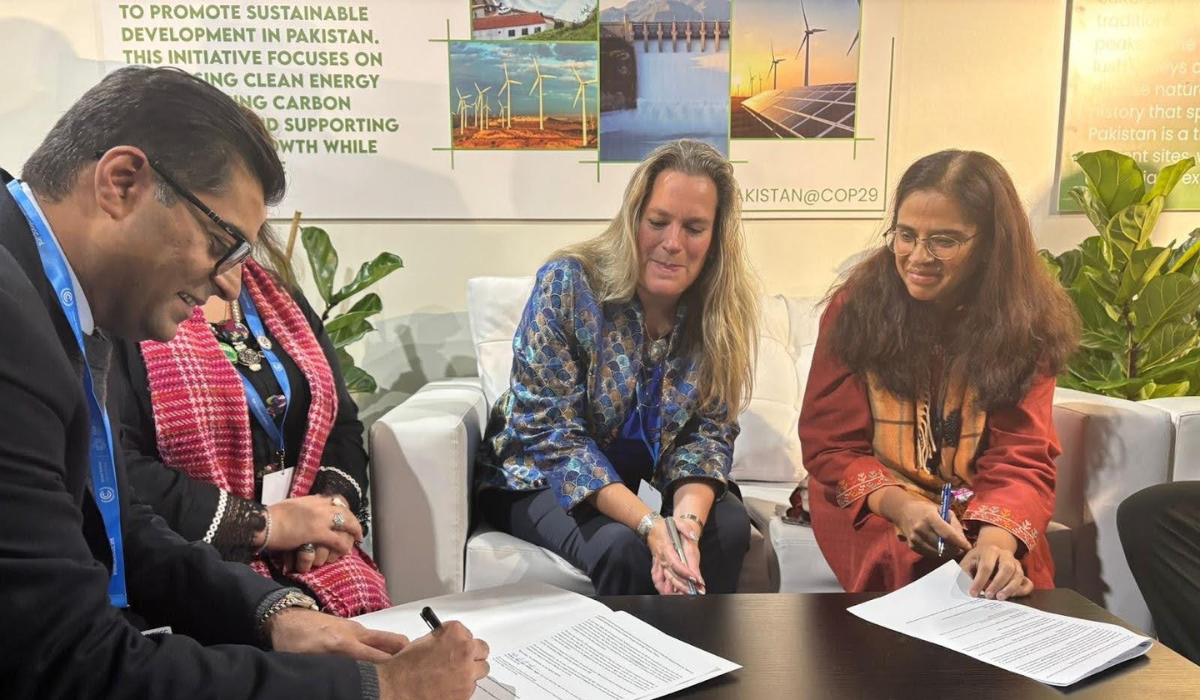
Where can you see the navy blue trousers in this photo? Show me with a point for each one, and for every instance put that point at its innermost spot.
(612, 555)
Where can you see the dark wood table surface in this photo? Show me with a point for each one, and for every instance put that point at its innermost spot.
(796, 646)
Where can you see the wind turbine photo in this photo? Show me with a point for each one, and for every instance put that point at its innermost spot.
(808, 32)
(461, 109)
(486, 80)
(774, 67)
(507, 87)
(537, 85)
(582, 94)
(480, 107)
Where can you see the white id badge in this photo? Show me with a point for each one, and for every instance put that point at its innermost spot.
(276, 486)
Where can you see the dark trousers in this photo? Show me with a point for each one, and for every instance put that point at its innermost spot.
(612, 555)
(1160, 531)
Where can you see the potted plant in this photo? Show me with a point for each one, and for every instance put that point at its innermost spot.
(352, 324)
(1138, 301)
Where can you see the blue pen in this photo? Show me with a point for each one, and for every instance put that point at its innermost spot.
(945, 514)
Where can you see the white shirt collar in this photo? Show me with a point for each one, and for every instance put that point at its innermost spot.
(86, 323)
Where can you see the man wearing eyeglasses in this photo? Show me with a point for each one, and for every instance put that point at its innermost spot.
(114, 231)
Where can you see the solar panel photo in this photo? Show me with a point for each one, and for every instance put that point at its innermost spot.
(819, 111)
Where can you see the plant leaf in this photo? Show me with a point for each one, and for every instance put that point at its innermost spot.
(1097, 253)
(1134, 224)
(1098, 340)
(1143, 267)
(369, 305)
(346, 329)
(1070, 263)
(1088, 204)
(1123, 388)
(1051, 264)
(1163, 391)
(322, 258)
(345, 361)
(1184, 259)
(1167, 178)
(1114, 178)
(1176, 369)
(1105, 284)
(359, 382)
(1167, 344)
(383, 265)
(1167, 298)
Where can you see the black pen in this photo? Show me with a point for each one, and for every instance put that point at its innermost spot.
(430, 618)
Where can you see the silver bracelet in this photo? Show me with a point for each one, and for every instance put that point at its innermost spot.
(266, 532)
(693, 518)
(222, 501)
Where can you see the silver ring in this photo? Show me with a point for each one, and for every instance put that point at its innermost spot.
(309, 548)
(337, 501)
(339, 522)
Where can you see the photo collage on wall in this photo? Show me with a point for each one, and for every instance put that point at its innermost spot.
(624, 76)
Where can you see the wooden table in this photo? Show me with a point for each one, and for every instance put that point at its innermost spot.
(796, 646)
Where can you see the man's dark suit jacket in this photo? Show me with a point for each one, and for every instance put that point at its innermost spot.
(59, 636)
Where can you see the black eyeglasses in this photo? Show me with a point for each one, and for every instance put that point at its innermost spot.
(237, 252)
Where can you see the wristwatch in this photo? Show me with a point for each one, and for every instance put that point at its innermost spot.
(291, 599)
(647, 523)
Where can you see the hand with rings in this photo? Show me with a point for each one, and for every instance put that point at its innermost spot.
(321, 521)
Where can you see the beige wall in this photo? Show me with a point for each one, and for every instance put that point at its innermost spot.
(977, 74)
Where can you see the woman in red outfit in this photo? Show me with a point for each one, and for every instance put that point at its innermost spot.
(935, 364)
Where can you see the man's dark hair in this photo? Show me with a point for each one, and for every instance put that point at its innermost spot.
(193, 130)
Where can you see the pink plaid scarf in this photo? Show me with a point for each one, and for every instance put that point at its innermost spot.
(202, 424)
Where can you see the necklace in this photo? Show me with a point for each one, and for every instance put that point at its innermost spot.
(232, 336)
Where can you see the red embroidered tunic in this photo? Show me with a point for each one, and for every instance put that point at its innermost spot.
(1013, 483)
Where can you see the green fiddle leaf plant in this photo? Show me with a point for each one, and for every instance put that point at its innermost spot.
(1138, 301)
(352, 324)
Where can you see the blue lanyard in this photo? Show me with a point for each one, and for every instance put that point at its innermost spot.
(650, 412)
(257, 407)
(100, 441)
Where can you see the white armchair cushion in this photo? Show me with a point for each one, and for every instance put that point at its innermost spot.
(1184, 412)
(496, 558)
(494, 307)
(768, 448)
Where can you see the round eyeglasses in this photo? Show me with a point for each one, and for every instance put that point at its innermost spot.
(902, 243)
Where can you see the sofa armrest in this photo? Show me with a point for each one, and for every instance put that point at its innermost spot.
(1184, 413)
(422, 456)
(1112, 448)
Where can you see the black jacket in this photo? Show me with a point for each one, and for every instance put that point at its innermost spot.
(59, 636)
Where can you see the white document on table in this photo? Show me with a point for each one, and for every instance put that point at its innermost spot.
(1049, 648)
(551, 644)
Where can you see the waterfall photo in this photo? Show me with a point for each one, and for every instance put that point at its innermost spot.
(795, 69)
(664, 74)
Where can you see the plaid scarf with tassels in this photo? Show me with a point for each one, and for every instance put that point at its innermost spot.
(202, 423)
(907, 436)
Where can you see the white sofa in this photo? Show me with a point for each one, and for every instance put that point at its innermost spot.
(423, 453)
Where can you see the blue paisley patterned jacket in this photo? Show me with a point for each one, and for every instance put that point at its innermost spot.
(573, 383)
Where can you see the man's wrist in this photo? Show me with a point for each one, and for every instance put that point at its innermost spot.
(277, 602)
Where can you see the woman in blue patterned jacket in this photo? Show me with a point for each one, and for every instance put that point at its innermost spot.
(632, 360)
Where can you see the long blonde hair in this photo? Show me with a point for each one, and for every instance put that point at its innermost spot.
(722, 304)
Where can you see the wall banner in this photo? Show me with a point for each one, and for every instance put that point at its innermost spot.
(539, 109)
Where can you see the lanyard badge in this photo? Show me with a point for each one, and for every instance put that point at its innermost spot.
(100, 439)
